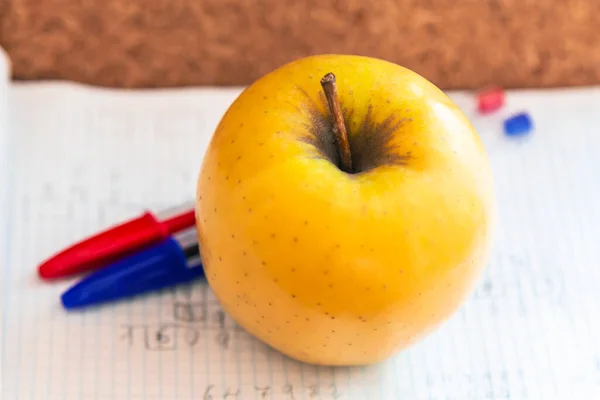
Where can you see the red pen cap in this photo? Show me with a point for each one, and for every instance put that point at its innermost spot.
(490, 99)
(118, 241)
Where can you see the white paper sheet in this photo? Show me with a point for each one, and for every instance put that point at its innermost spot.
(87, 158)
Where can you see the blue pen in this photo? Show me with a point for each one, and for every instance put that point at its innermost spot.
(173, 261)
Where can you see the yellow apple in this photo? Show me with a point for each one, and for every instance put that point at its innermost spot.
(343, 263)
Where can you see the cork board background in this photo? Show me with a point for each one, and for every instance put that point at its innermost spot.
(165, 43)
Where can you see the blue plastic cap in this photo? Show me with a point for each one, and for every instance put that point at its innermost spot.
(518, 124)
(158, 267)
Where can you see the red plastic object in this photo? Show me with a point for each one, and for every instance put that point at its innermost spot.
(490, 100)
(180, 222)
(113, 244)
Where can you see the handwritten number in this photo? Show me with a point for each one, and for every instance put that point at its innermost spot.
(189, 312)
(289, 389)
(191, 336)
(220, 317)
(129, 335)
(223, 340)
(162, 339)
(229, 393)
(183, 312)
(207, 395)
(264, 391)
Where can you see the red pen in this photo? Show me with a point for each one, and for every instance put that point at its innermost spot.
(117, 242)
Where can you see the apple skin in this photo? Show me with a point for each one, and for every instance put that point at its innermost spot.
(336, 268)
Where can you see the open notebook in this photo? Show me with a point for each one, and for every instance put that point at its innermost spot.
(81, 159)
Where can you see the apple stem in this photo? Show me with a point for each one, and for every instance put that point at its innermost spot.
(339, 127)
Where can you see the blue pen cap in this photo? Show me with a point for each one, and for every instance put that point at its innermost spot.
(518, 124)
(166, 264)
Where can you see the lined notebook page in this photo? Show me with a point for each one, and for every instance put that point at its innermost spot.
(85, 159)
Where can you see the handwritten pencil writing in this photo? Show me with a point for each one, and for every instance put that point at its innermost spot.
(287, 391)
